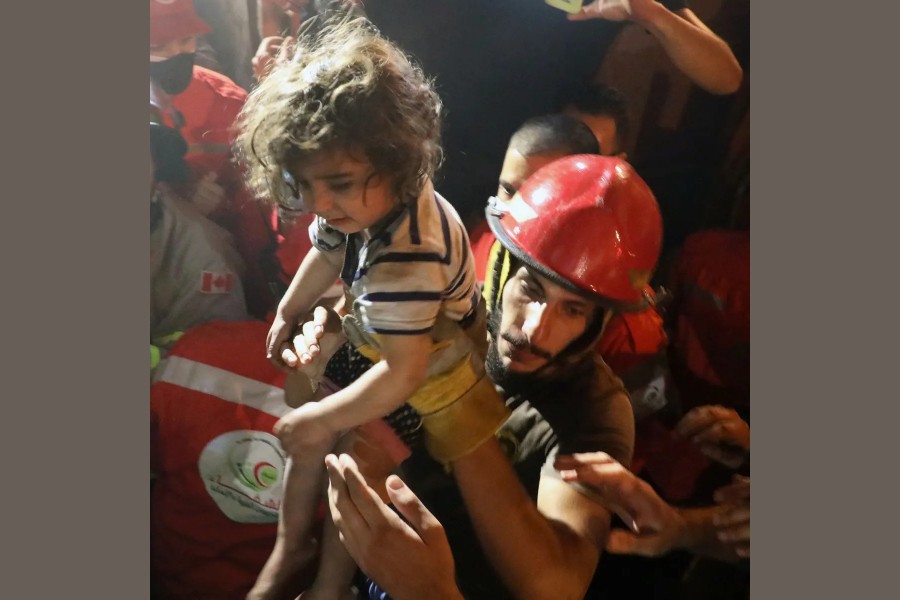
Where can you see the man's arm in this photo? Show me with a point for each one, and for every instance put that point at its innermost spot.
(561, 538)
(657, 527)
(697, 52)
(270, 18)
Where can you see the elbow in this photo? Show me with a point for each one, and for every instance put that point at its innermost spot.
(728, 79)
(731, 83)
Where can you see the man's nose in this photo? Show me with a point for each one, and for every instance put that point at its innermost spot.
(534, 326)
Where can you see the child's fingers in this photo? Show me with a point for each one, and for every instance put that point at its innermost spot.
(310, 338)
(300, 350)
(320, 318)
(289, 357)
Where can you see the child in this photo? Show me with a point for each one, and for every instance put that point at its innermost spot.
(348, 128)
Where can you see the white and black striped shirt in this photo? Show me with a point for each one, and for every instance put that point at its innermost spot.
(416, 265)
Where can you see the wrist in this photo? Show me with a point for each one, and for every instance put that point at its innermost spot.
(286, 313)
(696, 528)
(651, 15)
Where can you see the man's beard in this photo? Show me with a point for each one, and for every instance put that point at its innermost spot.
(513, 384)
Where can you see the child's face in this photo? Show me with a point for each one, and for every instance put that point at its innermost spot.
(344, 189)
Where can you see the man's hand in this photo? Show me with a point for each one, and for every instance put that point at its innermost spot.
(619, 10)
(409, 560)
(657, 527)
(269, 49)
(718, 432)
(733, 525)
(208, 194)
(611, 10)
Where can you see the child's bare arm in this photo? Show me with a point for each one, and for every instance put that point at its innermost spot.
(378, 391)
(316, 274)
(388, 384)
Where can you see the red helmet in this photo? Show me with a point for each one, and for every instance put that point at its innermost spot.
(587, 222)
(174, 19)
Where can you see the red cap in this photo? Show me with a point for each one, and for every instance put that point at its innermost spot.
(589, 223)
(174, 19)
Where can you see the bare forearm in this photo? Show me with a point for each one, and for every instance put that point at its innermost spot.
(520, 540)
(269, 19)
(697, 52)
(377, 392)
(313, 278)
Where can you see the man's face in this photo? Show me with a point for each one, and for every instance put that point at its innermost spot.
(184, 45)
(538, 320)
(604, 128)
(518, 167)
(344, 189)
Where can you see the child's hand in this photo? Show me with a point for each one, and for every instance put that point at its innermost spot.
(320, 335)
(302, 430)
(276, 340)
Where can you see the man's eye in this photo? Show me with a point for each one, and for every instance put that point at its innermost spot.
(575, 311)
(529, 289)
(506, 192)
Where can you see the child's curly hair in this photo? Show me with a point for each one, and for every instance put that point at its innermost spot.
(343, 88)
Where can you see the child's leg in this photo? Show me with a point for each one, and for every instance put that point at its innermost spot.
(336, 568)
(303, 484)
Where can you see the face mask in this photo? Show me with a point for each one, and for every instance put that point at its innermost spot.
(173, 74)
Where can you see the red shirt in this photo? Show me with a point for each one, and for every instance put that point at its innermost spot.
(711, 284)
(209, 107)
(214, 503)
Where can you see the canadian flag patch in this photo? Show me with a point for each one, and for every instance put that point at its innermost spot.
(216, 282)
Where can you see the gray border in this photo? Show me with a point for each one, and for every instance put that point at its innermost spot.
(76, 298)
(825, 157)
(76, 255)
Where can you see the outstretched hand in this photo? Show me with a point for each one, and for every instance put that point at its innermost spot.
(733, 525)
(657, 527)
(719, 432)
(408, 557)
(611, 10)
(268, 50)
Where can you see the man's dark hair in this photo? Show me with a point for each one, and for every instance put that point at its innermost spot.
(554, 133)
(168, 149)
(602, 100)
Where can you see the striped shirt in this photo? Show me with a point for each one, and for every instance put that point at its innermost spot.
(415, 265)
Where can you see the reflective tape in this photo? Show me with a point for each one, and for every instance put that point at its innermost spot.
(223, 384)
